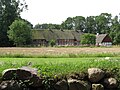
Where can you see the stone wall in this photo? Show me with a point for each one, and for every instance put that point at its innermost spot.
(27, 78)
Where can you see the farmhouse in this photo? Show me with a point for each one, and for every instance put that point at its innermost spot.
(65, 38)
(61, 37)
(103, 40)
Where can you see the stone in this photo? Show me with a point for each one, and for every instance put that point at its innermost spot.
(110, 82)
(78, 85)
(61, 85)
(95, 74)
(35, 88)
(9, 74)
(10, 85)
(78, 76)
(35, 81)
(23, 74)
(97, 87)
(32, 70)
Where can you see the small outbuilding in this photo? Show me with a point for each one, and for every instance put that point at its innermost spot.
(103, 40)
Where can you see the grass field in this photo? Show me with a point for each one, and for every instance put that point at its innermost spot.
(59, 52)
(57, 66)
(60, 61)
(53, 50)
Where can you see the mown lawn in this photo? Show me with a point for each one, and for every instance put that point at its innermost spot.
(62, 66)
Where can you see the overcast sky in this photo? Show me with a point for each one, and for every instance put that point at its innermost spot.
(56, 11)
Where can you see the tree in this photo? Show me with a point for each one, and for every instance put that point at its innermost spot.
(20, 33)
(103, 23)
(29, 23)
(117, 39)
(9, 11)
(47, 26)
(88, 39)
(38, 26)
(79, 23)
(1, 11)
(114, 30)
(90, 25)
(67, 24)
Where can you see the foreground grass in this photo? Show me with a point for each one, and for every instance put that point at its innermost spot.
(62, 66)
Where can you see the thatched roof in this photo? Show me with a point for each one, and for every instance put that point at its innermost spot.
(56, 34)
(36, 34)
(100, 38)
(77, 34)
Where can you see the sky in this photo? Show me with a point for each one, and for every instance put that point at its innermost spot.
(57, 11)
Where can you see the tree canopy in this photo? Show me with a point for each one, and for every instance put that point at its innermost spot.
(9, 11)
(20, 33)
(88, 39)
(47, 26)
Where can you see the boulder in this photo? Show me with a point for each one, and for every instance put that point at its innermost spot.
(61, 85)
(32, 70)
(78, 76)
(11, 85)
(35, 81)
(26, 74)
(78, 85)
(23, 74)
(97, 87)
(9, 74)
(95, 74)
(110, 83)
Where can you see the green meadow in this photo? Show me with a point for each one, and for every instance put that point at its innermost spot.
(62, 66)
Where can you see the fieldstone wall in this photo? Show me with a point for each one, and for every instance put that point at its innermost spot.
(26, 78)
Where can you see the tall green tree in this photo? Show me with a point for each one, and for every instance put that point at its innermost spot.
(90, 25)
(115, 30)
(38, 26)
(103, 23)
(115, 25)
(116, 39)
(67, 24)
(9, 11)
(79, 23)
(1, 14)
(29, 23)
(20, 33)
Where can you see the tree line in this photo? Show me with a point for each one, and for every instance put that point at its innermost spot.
(102, 24)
